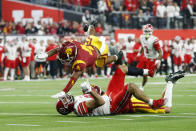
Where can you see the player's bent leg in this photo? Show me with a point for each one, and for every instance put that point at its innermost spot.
(117, 81)
(137, 93)
(110, 59)
(133, 89)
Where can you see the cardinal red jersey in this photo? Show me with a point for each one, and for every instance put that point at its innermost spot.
(86, 56)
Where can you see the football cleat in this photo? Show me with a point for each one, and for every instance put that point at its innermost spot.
(119, 60)
(59, 95)
(158, 103)
(173, 77)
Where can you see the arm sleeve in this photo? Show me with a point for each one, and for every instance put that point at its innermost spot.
(156, 45)
(70, 84)
(79, 65)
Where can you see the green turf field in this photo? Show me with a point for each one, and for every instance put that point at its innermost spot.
(26, 106)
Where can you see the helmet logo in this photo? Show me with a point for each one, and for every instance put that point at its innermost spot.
(68, 51)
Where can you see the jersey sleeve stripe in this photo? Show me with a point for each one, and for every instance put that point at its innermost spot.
(78, 62)
(82, 109)
(79, 111)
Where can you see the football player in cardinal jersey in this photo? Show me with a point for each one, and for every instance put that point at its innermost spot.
(152, 52)
(116, 100)
(75, 53)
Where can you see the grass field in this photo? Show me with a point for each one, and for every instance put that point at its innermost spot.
(27, 106)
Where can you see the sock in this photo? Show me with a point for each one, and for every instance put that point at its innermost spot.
(116, 57)
(12, 74)
(6, 73)
(102, 73)
(133, 71)
(108, 70)
(150, 102)
(141, 88)
(168, 94)
(145, 71)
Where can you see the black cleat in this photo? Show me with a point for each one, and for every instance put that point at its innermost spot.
(119, 60)
(173, 77)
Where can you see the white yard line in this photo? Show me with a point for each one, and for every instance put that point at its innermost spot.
(72, 121)
(20, 102)
(21, 125)
(105, 118)
(26, 114)
(26, 95)
(167, 116)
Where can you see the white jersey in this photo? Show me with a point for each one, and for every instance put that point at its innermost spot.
(40, 49)
(79, 107)
(129, 46)
(177, 49)
(11, 52)
(26, 50)
(148, 46)
(188, 49)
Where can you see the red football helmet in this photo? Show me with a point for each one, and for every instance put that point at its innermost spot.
(147, 30)
(65, 105)
(67, 52)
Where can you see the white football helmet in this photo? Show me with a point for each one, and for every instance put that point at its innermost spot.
(147, 30)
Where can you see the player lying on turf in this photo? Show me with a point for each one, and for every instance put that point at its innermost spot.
(116, 100)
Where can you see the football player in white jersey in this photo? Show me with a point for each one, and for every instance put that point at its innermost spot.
(152, 52)
(178, 53)
(25, 53)
(188, 49)
(116, 99)
(10, 60)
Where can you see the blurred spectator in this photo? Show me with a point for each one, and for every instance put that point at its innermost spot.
(52, 60)
(87, 17)
(147, 17)
(40, 66)
(32, 45)
(25, 54)
(143, 5)
(161, 15)
(177, 17)
(117, 4)
(1, 57)
(102, 7)
(125, 19)
(170, 15)
(149, 5)
(166, 53)
(99, 29)
(140, 19)
(131, 5)
(20, 28)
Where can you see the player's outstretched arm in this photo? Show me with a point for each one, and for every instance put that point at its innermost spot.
(72, 80)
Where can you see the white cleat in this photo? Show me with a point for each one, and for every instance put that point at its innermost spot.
(59, 95)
